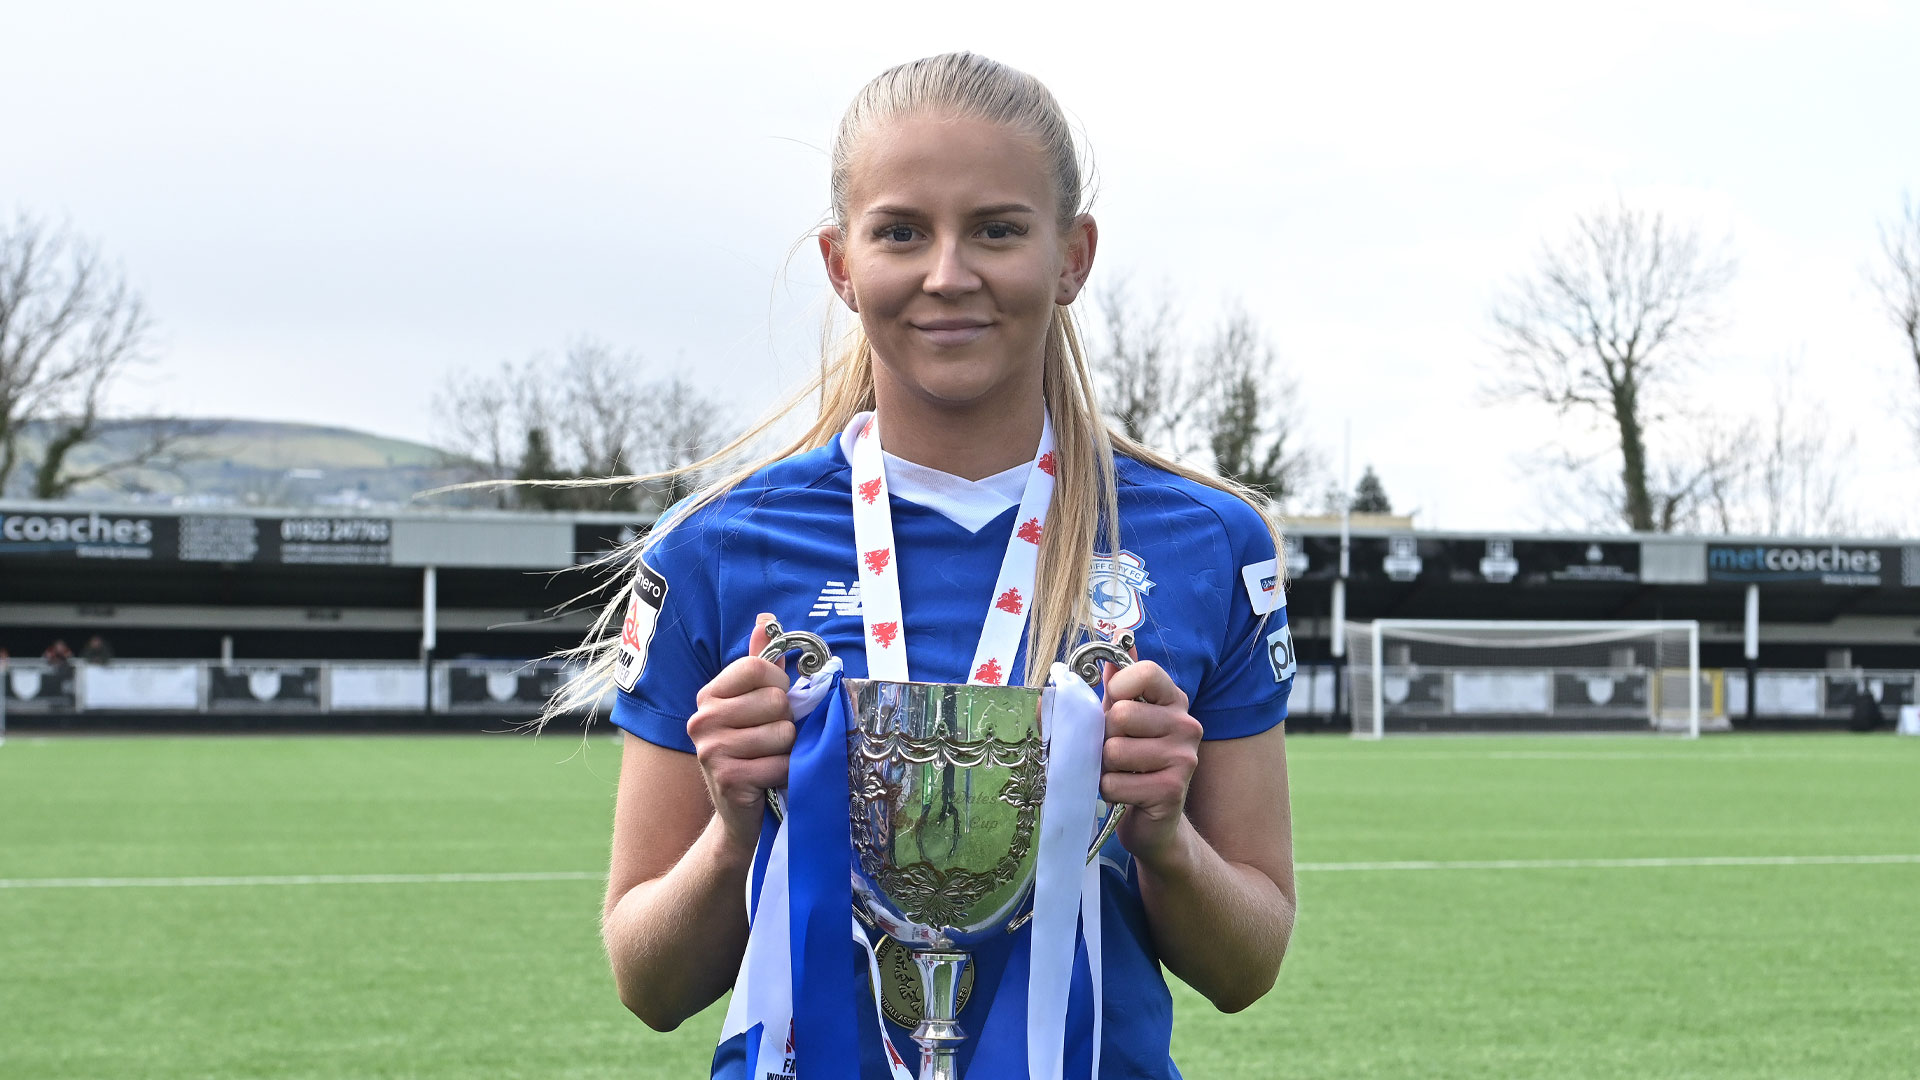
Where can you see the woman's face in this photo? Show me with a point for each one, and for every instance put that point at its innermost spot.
(954, 259)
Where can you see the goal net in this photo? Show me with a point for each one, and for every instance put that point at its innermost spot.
(1433, 675)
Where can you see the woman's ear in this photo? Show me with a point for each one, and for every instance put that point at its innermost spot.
(833, 253)
(1081, 241)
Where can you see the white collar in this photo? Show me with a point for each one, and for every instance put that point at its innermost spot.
(970, 504)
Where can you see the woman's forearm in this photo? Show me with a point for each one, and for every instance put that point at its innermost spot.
(1221, 926)
(675, 941)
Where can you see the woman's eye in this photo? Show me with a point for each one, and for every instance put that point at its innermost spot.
(900, 234)
(998, 230)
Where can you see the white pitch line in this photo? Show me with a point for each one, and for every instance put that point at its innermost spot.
(1613, 755)
(1310, 867)
(298, 879)
(1619, 864)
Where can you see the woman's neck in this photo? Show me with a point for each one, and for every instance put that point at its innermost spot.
(973, 441)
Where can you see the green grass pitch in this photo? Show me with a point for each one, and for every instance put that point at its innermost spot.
(1529, 971)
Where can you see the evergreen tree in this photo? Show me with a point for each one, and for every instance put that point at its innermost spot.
(1370, 496)
(536, 463)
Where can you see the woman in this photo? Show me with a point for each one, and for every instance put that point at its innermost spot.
(958, 240)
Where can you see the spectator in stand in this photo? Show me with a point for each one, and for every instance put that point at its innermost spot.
(97, 651)
(1866, 711)
(58, 654)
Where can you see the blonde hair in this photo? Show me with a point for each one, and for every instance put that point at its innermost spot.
(1085, 504)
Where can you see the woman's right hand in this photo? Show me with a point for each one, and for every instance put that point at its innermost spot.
(742, 732)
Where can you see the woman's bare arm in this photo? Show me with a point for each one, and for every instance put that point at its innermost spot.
(675, 923)
(1209, 827)
(1221, 899)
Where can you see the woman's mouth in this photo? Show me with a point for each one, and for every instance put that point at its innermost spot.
(950, 332)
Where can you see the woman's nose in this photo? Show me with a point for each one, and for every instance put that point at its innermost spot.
(950, 273)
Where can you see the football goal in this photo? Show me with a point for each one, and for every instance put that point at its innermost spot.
(1436, 675)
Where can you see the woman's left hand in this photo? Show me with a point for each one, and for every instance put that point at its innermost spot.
(1147, 763)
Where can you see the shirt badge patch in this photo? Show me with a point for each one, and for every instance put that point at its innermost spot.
(636, 630)
(1280, 653)
(1118, 592)
(1263, 586)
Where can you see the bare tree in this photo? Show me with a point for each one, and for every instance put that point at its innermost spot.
(1137, 359)
(1801, 473)
(1698, 465)
(481, 425)
(1245, 412)
(687, 426)
(1783, 472)
(1898, 282)
(601, 405)
(1228, 402)
(71, 329)
(1602, 326)
(477, 415)
(590, 415)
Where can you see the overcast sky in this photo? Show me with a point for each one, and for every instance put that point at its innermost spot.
(329, 207)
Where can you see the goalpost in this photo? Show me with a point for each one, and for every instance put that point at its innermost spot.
(1448, 675)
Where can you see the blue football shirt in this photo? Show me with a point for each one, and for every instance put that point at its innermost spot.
(1194, 582)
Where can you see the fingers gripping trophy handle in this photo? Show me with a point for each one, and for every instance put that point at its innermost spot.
(814, 653)
(1085, 662)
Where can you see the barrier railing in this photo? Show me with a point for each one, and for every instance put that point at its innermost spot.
(312, 687)
(522, 688)
(1820, 694)
(291, 687)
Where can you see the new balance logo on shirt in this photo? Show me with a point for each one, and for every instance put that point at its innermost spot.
(838, 598)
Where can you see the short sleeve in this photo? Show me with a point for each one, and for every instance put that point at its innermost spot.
(667, 637)
(1246, 691)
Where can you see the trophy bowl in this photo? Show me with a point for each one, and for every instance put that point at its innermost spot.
(945, 785)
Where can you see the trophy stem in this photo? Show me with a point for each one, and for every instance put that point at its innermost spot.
(939, 1033)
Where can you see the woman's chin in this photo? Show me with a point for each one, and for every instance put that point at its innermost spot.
(956, 382)
(963, 395)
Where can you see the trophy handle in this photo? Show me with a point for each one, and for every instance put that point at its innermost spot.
(814, 653)
(1085, 660)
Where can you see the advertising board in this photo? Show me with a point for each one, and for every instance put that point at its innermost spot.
(197, 538)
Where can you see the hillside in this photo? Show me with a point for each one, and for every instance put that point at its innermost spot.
(238, 462)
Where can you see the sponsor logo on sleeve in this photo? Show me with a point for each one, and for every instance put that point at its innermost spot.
(1263, 586)
(1280, 653)
(636, 630)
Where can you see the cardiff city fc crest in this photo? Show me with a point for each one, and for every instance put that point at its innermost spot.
(1118, 592)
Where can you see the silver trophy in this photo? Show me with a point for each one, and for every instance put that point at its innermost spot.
(946, 786)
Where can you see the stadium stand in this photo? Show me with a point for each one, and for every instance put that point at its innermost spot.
(229, 618)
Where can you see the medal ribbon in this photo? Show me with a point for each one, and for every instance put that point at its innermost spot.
(879, 566)
(793, 869)
(1067, 890)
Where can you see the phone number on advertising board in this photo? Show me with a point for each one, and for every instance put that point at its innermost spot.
(336, 530)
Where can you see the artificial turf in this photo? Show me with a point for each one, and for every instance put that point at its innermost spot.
(1642, 971)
